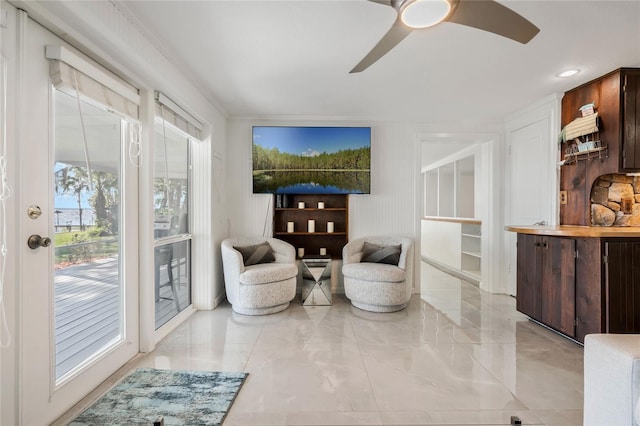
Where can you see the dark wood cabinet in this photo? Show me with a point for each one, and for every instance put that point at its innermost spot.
(622, 286)
(630, 121)
(528, 271)
(546, 280)
(335, 211)
(590, 294)
(579, 286)
(559, 283)
(617, 99)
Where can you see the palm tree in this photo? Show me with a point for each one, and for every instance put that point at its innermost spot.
(105, 199)
(75, 180)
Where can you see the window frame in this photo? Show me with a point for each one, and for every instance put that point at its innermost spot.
(180, 237)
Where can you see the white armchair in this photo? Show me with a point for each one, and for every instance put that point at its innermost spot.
(262, 288)
(371, 279)
(611, 380)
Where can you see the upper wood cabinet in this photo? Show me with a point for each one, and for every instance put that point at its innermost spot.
(630, 155)
(617, 99)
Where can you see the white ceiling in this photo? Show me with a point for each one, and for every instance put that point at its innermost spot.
(292, 58)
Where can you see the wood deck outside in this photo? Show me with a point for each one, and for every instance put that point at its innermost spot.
(87, 308)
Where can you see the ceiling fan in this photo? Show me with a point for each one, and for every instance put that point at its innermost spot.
(486, 15)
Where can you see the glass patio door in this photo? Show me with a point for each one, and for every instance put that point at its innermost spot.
(79, 198)
(88, 296)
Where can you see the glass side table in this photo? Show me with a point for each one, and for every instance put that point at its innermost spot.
(316, 281)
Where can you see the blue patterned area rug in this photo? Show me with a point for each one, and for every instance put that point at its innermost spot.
(180, 397)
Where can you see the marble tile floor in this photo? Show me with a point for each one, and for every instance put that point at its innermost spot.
(455, 356)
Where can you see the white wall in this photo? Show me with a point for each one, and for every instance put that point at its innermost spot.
(394, 205)
(389, 209)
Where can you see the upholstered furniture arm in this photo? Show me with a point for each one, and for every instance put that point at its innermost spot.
(283, 251)
(406, 262)
(406, 254)
(611, 379)
(352, 251)
(232, 259)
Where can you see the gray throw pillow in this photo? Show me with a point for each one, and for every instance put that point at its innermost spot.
(374, 253)
(257, 253)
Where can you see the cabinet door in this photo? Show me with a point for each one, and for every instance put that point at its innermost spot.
(622, 272)
(528, 276)
(558, 283)
(630, 150)
(590, 296)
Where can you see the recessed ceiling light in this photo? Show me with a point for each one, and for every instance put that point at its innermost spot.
(568, 73)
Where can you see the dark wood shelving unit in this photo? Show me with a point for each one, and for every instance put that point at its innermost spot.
(336, 210)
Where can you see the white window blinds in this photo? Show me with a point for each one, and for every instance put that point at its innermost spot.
(71, 73)
(171, 113)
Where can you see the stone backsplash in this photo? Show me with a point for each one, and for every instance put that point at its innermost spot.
(615, 201)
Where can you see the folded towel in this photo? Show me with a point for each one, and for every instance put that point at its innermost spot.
(581, 126)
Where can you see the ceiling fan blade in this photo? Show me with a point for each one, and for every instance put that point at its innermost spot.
(383, 2)
(395, 35)
(491, 16)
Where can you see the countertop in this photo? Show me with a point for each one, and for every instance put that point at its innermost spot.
(577, 231)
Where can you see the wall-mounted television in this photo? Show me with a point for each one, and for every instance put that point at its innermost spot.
(311, 160)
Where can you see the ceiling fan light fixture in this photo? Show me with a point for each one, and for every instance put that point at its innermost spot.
(424, 13)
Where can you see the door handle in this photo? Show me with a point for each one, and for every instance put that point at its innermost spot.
(36, 241)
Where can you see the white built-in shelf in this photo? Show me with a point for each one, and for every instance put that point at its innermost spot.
(471, 248)
(342, 234)
(293, 209)
(455, 244)
(474, 272)
(472, 253)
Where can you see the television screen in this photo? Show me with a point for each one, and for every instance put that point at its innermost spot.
(311, 160)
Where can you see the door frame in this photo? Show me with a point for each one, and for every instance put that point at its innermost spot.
(546, 108)
(488, 185)
(64, 395)
(9, 357)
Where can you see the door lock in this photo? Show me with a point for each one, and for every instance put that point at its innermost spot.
(34, 212)
(36, 241)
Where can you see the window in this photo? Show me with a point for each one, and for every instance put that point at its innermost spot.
(173, 134)
(465, 187)
(450, 189)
